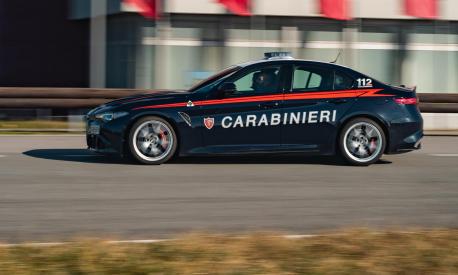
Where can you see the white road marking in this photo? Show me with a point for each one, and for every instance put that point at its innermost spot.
(299, 236)
(140, 241)
(2, 156)
(145, 241)
(65, 243)
(43, 135)
(444, 155)
(32, 244)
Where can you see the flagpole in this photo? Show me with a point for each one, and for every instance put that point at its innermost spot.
(97, 41)
(252, 25)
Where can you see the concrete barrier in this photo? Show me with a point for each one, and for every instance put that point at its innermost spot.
(440, 121)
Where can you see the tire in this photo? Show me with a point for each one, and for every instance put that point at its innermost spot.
(152, 140)
(362, 141)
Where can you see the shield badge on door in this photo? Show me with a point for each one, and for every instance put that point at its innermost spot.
(209, 122)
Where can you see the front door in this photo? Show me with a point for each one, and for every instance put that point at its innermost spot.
(240, 122)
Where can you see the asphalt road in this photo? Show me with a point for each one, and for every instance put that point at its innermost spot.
(51, 190)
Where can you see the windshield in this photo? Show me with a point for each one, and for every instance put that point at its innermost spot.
(214, 77)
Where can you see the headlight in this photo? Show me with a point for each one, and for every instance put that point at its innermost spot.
(109, 116)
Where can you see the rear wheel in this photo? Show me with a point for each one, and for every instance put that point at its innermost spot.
(152, 140)
(362, 141)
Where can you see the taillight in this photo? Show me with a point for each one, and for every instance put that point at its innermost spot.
(406, 101)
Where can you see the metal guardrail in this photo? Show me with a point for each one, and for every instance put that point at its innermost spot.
(81, 98)
(426, 107)
(61, 98)
(70, 93)
(438, 97)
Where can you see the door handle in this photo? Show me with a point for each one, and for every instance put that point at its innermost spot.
(337, 101)
(268, 105)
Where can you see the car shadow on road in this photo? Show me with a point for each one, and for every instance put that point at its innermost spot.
(75, 155)
(268, 159)
(87, 156)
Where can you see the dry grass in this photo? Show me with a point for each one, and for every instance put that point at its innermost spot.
(350, 252)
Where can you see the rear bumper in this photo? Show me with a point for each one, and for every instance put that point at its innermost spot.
(405, 137)
(409, 143)
(405, 130)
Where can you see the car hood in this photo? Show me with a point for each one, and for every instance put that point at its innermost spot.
(165, 95)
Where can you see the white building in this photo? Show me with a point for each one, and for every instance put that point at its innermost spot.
(194, 38)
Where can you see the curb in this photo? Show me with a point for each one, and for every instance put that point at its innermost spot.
(441, 133)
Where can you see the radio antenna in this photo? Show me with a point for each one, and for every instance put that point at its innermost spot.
(337, 58)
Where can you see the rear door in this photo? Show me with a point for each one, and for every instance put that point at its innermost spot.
(317, 97)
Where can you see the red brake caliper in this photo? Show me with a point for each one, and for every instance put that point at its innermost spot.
(163, 137)
(372, 145)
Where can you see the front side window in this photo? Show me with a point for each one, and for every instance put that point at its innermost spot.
(258, 81)
(307, 78)
(214, 78)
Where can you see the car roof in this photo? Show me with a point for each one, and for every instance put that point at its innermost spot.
(282, 60)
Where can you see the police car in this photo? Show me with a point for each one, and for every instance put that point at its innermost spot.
(275, 105)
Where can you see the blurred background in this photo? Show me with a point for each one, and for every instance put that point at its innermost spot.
(60, 58)
(171, 44)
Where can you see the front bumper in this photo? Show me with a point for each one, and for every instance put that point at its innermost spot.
(99, 144)
(108, 139)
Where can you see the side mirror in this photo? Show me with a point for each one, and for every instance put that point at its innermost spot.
(226, 89)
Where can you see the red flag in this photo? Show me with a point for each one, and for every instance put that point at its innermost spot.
(147, 8)
(421, 8)
(336, 9)
(239, 7)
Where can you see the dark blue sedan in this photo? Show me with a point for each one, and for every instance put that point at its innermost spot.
(275, 105)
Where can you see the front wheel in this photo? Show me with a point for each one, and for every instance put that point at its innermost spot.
(152, 140)
(362, 141)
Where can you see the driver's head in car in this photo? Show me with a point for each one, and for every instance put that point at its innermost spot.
(264, 81)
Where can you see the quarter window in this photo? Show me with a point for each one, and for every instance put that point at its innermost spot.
(342, 81)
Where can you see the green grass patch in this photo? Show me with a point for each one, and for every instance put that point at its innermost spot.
(349, 252)
(35, 124)
(30, 127)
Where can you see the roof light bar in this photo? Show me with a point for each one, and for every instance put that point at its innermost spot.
(278, 55)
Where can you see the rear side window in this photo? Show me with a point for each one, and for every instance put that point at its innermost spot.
(342, 81)
(311, 79)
